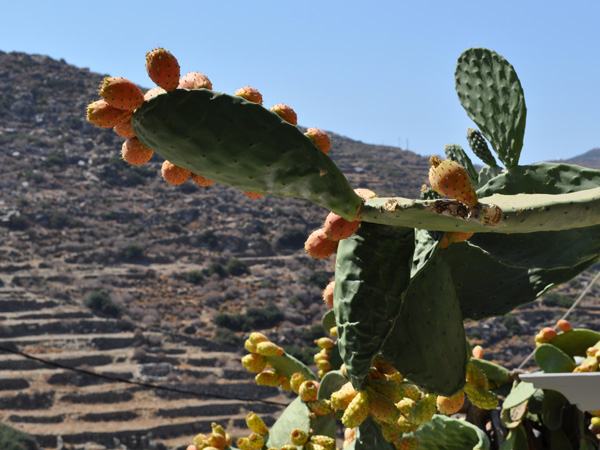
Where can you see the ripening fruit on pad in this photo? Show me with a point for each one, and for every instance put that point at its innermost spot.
(163, 68)
(286, 113)
(173, 174)
(121, 93)
(454, 236)
(125, 130)
(101, 114)
(451, 405)
(328, 294)
(253, 195)
(338, 228)
(201, 181)
(451, 179)
(319, 245)
(135, 153)
(320, 139)
(251, 94)
(563, 325)
(194, 80)
(153, 92)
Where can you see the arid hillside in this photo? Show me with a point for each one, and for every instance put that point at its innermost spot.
(107, 269)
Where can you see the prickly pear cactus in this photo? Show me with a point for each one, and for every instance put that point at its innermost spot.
(479, 246)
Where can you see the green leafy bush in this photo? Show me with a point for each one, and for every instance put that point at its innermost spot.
(253, 319)
(555, 299)
(11, 439)
(133, 252)
(227, 337)
(237, 267)
(100, 301)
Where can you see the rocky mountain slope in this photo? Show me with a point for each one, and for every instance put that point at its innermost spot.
(106, 268)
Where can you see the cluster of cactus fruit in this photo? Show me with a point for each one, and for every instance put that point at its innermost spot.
(408, 271)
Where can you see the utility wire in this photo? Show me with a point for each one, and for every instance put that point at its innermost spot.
(567, 313)
(136, 383)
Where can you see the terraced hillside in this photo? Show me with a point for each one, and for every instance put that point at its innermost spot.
(201, 381)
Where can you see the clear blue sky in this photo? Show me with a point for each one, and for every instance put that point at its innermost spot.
(381, 72)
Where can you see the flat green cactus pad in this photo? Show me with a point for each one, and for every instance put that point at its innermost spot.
(232, 141)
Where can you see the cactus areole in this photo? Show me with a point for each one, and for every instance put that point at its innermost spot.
(230, 140)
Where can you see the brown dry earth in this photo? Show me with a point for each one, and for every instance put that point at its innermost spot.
(69, 209)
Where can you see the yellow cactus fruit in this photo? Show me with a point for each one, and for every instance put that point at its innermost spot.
(254, 362)
(406, 405)
(253, 340)
(308, 390)
(296, 381)
(357, 411)
(256, 441)
(256, 424)
(411, 391)
(381, 407)
(268, 378)
(244, 444)
(298, 437)
(333, 332)
(393, 391)
(343, 396)
(269, 348)
(321, 407)
(325, 343)
(328, 443)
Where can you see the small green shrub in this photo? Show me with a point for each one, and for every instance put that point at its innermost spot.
(236, 267)
(18, 222)
(216, 267)
(133, 252)
(555, 299)
(254, 318)
(194, 276)
(100, 301)
(512, 324)
(227, 337)
(292, 238)
(11, 439)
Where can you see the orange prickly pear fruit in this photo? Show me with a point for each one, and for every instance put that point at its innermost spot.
(451, 179)
(254, 363)
(125, 130)
(194, 80)
(343, 396)
(478, 352)
(454, 236)
(563, 325)
(201, 181)
(357, 411)
(269, 348)
(121, 93)
(256, 424)
(163, 68)
(253, 195)
(249, 93)
(153, 92)
(298, 437)
(338, 228)
(451, 405)
(545, 335)
(101, 114)
(320, 139)
(135, 153)
(328, 294)
(319, 245)
(308, 391)
(173, 174)
(382, 408)
(286, 113)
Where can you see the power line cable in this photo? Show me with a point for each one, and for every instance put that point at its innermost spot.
(136, 383)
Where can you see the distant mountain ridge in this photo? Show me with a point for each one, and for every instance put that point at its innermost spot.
(589, 159)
